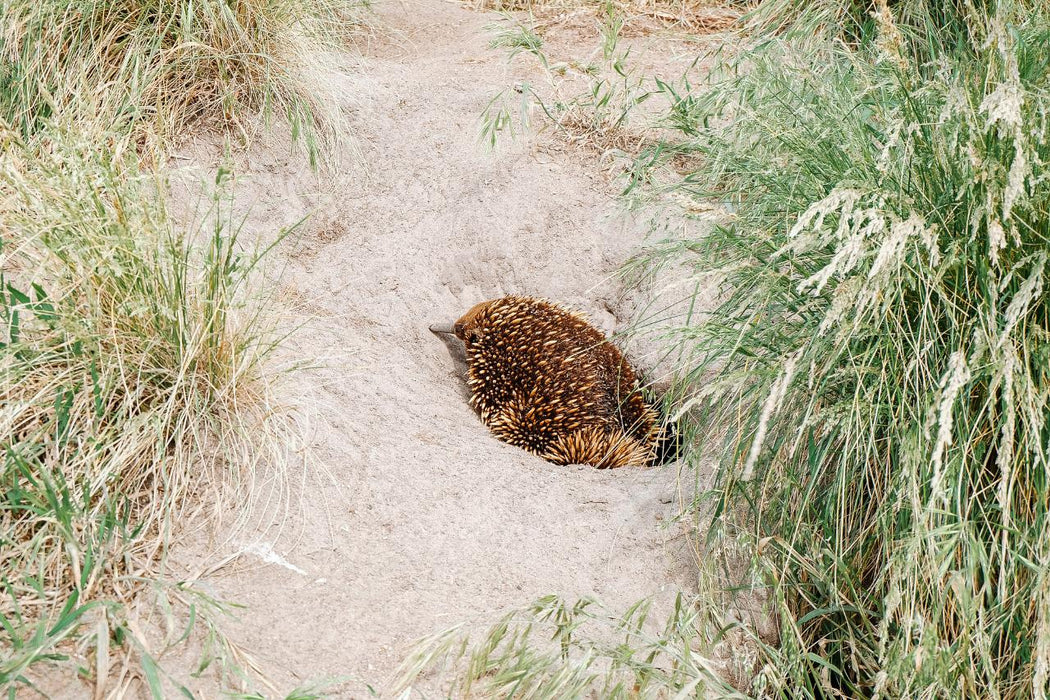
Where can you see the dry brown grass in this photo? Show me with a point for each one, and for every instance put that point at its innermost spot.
(156, 68)
(131, 354)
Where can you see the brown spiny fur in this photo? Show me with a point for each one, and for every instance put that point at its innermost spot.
(543, 379)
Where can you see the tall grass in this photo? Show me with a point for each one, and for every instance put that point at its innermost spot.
(129, 372)
(156, 66)
(877, 363)
(130, 354)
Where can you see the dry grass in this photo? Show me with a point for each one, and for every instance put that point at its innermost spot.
(700, 16)
(556, 648)
(131, 365)
(873, 366)
(157, 67)
(590, 104)
(132, 350)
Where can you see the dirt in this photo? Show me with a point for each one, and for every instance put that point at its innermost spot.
(414, 517)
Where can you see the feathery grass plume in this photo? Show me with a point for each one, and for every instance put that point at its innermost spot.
(158, 66)
(130, 361)
(877, 361)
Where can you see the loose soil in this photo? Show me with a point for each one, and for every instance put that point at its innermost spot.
(412, 517)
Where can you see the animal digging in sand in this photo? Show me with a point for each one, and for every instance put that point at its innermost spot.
(543, 379)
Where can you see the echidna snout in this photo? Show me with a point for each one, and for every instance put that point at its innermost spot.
(541, 377)
(467, 323)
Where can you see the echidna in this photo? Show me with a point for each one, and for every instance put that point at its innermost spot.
(542, 378)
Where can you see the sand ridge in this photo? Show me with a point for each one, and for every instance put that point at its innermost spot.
(419, 518)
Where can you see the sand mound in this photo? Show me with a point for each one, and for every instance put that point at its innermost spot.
(420, 519)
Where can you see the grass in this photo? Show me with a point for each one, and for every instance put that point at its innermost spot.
(876, 362)
(556, 648)
(131, 367)
(132, 351)
(589, 104)
(156, 67)
(694, 15)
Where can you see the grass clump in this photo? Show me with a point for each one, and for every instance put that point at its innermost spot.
(156, 67)
(129, 365)
(876, 363)
(589, 104)
(131, 358)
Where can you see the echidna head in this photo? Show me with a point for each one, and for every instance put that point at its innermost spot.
(467, 328)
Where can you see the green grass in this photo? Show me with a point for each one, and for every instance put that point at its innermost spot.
(131, 362)
(589, 104)
(132, 348)
(556, 648)
(876, 365)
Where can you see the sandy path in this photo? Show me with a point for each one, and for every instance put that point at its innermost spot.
(424, 520)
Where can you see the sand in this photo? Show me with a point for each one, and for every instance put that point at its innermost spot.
(414, 518)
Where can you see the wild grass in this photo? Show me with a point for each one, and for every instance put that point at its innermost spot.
(156, 67)
(928, 23)
(877, 360)
(557, 648)
(587, 102)
(131, 349)
(131, 360)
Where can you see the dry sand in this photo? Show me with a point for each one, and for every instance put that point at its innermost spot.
(415, 518)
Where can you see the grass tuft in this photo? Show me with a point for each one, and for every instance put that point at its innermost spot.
(132, 348)
(156, 67)
(587, 104)
(556, 648)
(130, 362)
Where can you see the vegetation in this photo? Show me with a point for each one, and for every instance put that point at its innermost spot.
(131, 349)
(589, 104)
(555, 648)
(874, 366)
(155, 67)
(124, 372)
(877, 358)
(697, 15)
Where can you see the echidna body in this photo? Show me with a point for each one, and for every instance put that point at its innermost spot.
(543, 379)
